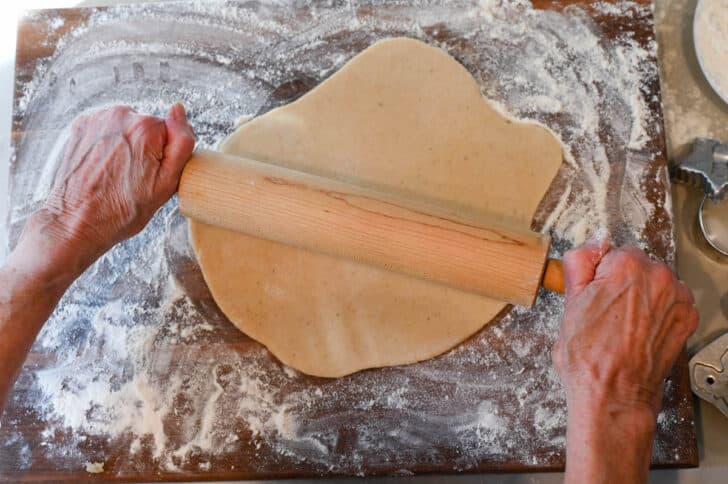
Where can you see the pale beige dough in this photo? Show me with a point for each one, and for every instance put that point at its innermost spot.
(403, 117)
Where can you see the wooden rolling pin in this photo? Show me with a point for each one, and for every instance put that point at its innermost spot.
(341, 219)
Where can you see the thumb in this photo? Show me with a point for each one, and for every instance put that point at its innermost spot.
(180, 141)
(580, 264)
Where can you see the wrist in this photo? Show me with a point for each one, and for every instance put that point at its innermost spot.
(593, 407)
(635, 419)
(608, 441)
(46, 252)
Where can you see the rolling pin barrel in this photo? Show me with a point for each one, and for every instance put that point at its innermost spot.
(341, 219)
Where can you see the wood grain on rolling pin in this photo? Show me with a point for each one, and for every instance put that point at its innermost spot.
(345, 220)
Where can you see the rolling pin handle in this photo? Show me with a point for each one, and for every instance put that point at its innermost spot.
(553, 276)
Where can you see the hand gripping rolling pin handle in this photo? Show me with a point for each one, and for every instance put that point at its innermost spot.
(345, 220)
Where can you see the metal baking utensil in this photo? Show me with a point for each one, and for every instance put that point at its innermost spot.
(709, 373)
(713, 223)
(706, 167)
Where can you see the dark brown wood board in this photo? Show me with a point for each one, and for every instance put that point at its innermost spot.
(491, 404)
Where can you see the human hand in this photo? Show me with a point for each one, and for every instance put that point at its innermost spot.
(626, 320)
(119, 168)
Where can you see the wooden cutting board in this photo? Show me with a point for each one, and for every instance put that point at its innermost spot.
(490, 405)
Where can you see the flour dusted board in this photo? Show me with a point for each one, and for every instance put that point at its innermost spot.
(139, 370)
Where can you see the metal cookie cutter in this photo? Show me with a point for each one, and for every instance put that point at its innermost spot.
(706, 167)
(709, 373)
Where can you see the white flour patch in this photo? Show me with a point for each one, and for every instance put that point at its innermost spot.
(142, 358)
(94, 467)
(599, 79)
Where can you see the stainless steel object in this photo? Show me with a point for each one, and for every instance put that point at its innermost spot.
(713, 223)
(706, 167)
(709, 373)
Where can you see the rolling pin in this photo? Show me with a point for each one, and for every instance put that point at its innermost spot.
(341, 219)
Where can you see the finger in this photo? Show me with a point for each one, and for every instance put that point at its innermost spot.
(681, 322)
(113, 117)
(580, 265)
(626, 260)
(147, 136)
(693, 319)
(638, 253)
(685, 317)
(684, 293)
(180, 141)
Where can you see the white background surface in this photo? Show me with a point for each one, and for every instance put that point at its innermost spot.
(712, 426)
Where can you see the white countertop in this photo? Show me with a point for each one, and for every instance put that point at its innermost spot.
(691, 109)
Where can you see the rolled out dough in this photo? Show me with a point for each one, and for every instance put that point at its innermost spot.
(404, 117)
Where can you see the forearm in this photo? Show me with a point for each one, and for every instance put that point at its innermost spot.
(606, 445)
(32, 281)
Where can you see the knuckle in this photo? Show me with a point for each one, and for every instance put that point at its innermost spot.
(628, 262)
(635, 252)
(685, 320)
(572, 258)
(117, 114)
(119, 110)
(663, 276)
(79, 122)
(147, 122)
(148, 130)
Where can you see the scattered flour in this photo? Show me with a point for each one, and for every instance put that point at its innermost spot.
(140, 357)
(94, 467)
(602, 79)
